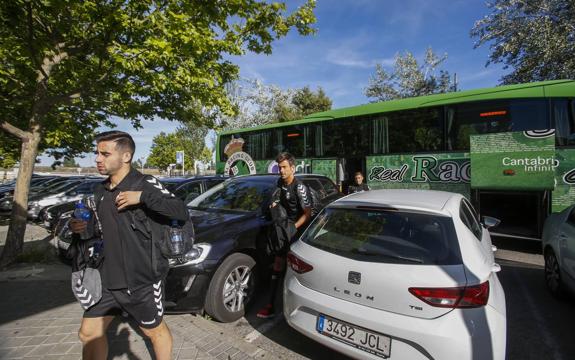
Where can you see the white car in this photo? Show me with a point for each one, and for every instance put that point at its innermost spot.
(398, 274)
(558, 243)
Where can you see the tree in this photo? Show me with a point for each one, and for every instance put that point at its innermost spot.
(164, 147)
(260, 104)
(70, 162)
(409, 79)
(535, 38)
(305, 102)
(68, 66)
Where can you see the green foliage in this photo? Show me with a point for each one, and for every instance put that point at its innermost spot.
(535, 38)
(70, 162)
(260, 104)
(409, 78)
(68, 65)
(190, 140)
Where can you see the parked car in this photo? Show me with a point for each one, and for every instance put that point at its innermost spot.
(185, 188)
(188, 189)
(398, 274)
(558, 242)
(230, 221)
(65, 192)
(8, 189)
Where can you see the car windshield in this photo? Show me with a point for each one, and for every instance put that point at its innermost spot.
(386, 236)
(238, 195)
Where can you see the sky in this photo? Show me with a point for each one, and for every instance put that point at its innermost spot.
(352, 36)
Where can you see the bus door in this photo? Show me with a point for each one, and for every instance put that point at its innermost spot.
(522, 213)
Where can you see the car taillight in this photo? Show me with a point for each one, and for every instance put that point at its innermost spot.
(297, 264)
(459, 297)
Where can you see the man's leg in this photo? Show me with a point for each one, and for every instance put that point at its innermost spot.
(161, 338)
(92, 334)
(277, 272)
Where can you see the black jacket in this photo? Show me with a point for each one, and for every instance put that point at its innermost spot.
(143, 262)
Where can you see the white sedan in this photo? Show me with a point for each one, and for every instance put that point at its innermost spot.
(558, 243)
(398, 274)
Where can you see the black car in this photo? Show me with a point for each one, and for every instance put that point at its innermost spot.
(185, 188)
(230, 222)
(189, 188)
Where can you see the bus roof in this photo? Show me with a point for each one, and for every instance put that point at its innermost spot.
(554, 88)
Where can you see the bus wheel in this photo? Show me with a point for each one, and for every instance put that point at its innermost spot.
(553, 275)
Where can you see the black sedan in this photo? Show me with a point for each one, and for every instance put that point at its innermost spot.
(230, 223)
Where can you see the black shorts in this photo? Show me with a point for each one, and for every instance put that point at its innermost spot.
(145, 305)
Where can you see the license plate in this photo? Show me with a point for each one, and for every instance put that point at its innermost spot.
(353, 335)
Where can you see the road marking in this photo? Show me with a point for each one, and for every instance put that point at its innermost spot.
(543, 330)
(262, 329)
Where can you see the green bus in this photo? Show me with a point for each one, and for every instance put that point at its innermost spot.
(509, 149)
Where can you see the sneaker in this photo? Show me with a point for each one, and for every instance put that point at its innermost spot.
(267, 312)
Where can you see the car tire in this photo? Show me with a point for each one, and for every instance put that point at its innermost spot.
(231, 288)
(553, 275)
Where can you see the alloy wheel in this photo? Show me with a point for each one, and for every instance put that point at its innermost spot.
(237, 288)
(552, 275)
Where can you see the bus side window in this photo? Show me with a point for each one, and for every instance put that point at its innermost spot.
(563, 122)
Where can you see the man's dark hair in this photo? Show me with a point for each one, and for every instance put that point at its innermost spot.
(122, 139)
(286, 156)
(358, 173)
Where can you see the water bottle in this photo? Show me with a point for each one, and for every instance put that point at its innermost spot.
(83, 213)
(176, 239)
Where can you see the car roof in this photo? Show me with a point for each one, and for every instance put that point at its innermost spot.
(276, 176)
(419, 200)
(177, 180)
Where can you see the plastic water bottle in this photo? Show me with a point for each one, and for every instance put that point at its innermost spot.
(83, 213)
(176, 238)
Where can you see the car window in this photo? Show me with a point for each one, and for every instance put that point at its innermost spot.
(213, 182)
(189, 191)
(241, 195)
(397, 237)
(328, 186)
(469, 219)
(314, 184)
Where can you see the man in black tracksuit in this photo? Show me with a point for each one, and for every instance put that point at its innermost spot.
(133, 270)
(296, 199)
(358, 185)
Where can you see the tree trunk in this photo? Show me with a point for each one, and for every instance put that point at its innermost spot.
(15, 237)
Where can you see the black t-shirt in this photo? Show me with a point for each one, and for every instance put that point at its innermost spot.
(357, 188)
(113, 273)
(294, 197)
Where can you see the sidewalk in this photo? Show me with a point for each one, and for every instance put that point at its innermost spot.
(40, 319)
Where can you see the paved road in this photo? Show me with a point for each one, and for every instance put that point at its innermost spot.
(39, 320)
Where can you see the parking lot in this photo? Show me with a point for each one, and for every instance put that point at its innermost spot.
(539, 326)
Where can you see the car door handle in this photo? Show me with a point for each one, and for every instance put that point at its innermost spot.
(495, 267)
(563, 236)
(493, 248)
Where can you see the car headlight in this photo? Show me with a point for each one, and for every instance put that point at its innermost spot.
(196, 255)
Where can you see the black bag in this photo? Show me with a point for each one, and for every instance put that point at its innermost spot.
(86, 257)
(281, 231)
(160, 234)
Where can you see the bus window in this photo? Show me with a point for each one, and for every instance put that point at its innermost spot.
(415, 131)
(492, 117)
(294, 140)
(258, 144)
(475, 118)
(379, 141)
(563, 123)
(346, 138)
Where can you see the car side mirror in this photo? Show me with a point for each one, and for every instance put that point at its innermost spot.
(488, 222)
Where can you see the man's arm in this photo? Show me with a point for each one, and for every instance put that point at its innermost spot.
(304, 198)
(155, 198)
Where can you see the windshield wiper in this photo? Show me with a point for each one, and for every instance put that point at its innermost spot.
(390, 256)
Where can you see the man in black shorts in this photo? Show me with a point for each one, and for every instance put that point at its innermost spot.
(132, 274)
(296, 199)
